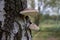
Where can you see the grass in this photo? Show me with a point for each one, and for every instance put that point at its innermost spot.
(48, 31)
(45, 36)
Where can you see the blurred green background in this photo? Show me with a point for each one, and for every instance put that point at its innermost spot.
(49, 27)
(48, 19)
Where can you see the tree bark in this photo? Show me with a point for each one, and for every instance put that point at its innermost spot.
(12, 28)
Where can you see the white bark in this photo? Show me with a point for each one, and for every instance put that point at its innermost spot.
(36, 4)
(29, 4)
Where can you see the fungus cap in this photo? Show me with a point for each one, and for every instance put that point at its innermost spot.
(29, 12)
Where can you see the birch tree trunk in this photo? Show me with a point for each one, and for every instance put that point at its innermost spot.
(10, 29)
